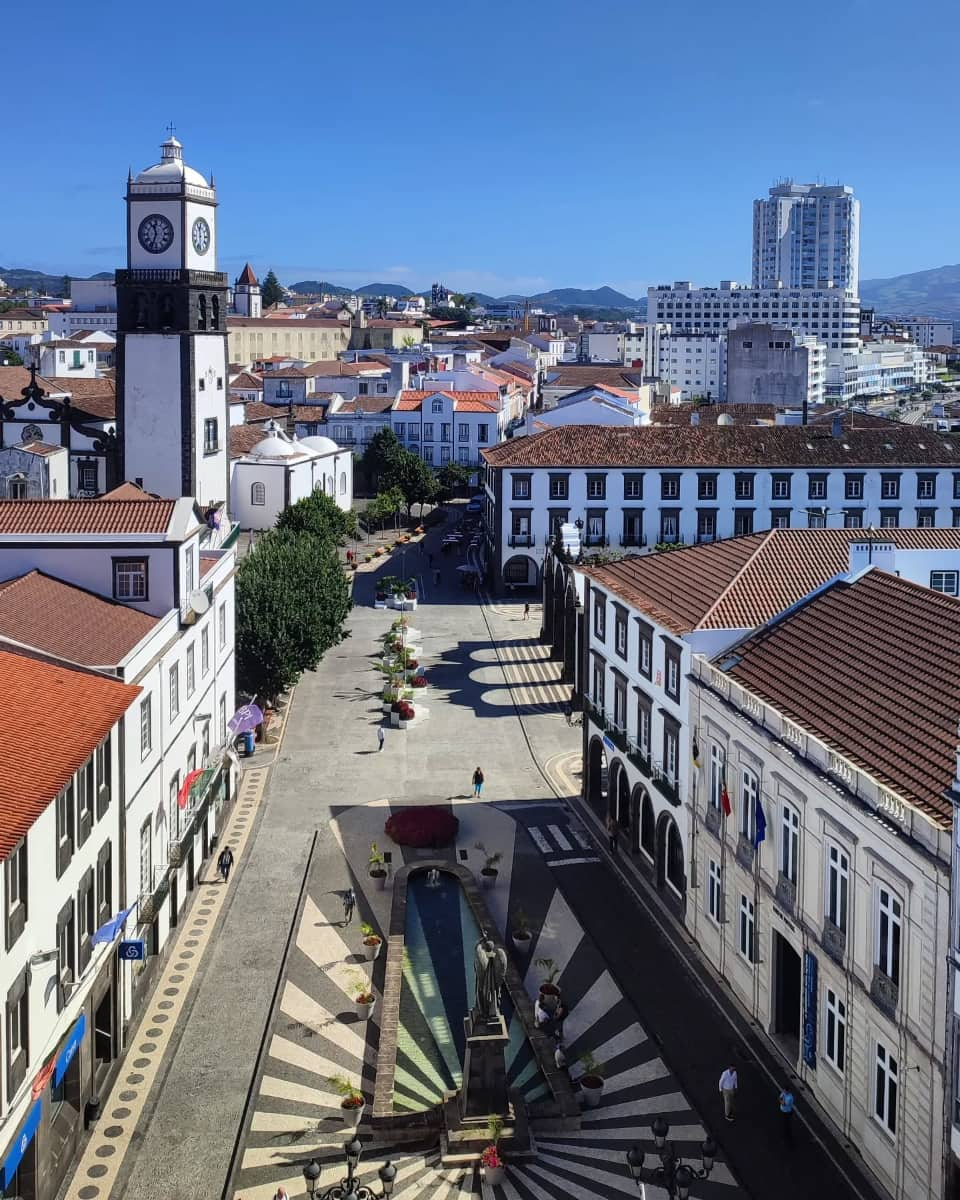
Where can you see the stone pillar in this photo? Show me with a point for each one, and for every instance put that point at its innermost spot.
(484, 1089)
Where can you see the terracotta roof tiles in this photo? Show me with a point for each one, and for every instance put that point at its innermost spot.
(872, 669)
(97, 517)
(412, 400)
(62, 716)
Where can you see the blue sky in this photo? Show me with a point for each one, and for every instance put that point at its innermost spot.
(499, 147)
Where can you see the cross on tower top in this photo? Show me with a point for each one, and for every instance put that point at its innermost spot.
(171, 128)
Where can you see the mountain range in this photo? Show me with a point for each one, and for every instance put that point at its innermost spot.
(602, 297)
(933, 293)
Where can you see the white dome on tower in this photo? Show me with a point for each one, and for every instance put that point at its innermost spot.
(171, 168)
(324, 445)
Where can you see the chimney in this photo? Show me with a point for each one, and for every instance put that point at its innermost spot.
(836, 425)
(871, 552)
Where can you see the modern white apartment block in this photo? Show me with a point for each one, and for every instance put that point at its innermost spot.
(878, 368)
(823, 895)
(807, 235)
(831, 314)
(93, 305)
(637, 487)
(925, 331)
(770, 365)
(695, 362)
(60, 847)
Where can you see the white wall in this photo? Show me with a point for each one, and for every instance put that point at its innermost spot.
(153, 434)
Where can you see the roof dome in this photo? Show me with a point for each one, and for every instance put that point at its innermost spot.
(324, 445)
(171, 168)
(274, 445)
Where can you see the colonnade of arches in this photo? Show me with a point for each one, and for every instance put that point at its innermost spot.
(655, 840)
(560, 616)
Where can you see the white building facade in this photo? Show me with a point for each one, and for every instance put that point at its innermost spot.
(280, 470)
(807, 235)
(694, 362)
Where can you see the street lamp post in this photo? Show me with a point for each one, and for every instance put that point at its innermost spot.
(348, 1188)
(671, 1172)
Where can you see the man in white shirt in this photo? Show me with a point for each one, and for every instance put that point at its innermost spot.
(728, 1090)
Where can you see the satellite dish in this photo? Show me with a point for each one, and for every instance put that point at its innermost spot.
(199, 601)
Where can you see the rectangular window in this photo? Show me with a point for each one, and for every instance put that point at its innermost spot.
(671, 758)
(188, 572)
(926, 487)
(889, 487)
(789, 842)
(645, 654)
(146, 727)
(889, 926)
(446, 431)
(15, 893)
(146, 857)
(885, 1089)
(816, 487)
(620, 633)
(104, 883)
(18, 1033)
(482, 433)
(191, 671)
(706, 525)
(669, 487)
(889, 518)
(743, 522)
(463, 432)
(599, 617)
(714, 892)
(835, 1031)
(717, 771)
(926, 518)
(559, 487)
(633, 487)
(173, 808)
(598, 681)
(620, 703)
(672, 669)
(706, 487)
(749, 798)
(945, 581)
(853, 487)
(743, 487)
(222, 625)
(86, 918)
(781, 487)
(428, 431)
(643, 726)
(779, 518)
(211, 435)
(205, 650)
(85, 801)
(66, 816)
(521, 487)
(223, 719)
(174, 683)
(130, 579)
(746, 931)
(596, 487)
(838, 887)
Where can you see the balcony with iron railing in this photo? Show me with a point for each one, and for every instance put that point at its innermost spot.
(521, 539)
(153, 892)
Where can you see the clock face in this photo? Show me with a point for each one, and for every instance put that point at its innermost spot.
(201, 236)
(155, 233)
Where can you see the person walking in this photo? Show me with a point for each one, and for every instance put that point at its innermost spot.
(612, 832)
(281, 1193)
(559, 1058)
(477, 782)
(349, 904)
(526, 611)
(380, 737)
(786, 1114)
(728, 1090)
(224, 863)
(559, 1016)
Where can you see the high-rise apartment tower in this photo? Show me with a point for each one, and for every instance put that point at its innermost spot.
(807, 236)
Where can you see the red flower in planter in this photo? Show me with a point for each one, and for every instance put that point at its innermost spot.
(406, 710)
(422, 827)
(419, 681)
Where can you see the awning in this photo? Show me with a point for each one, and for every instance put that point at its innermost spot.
(21, 1142)
(72, 1045)
(110, 930)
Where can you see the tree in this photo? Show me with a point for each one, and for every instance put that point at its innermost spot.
(271, 292)
(382, 454)
(384, 506)
(292, 601)
(65, 287)
(9, 358)
(452, 477)
(414, 478)
(319, 514)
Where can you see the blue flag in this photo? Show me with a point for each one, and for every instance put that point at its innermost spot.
(761, 833)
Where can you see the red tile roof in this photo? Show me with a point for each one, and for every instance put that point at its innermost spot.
(277, 322)
(241, 439)
(128, 491)
(98, 517)
(68, 622)
(872, 669)
(247, 276)
(62, 716)
(364, 404)
(718, 446)
(743, 582)
(577, 375)
(42, 448)
(246, 381)
(411, 400)
(336, 367)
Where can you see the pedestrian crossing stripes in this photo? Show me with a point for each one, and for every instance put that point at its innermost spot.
(553, 842)
(535, 679)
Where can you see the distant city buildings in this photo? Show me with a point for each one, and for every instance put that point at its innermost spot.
(807, 236)
(773, 366)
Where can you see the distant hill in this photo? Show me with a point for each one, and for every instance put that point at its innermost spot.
(601, 297)
(933, 293)
(580, 298)
(313, 287)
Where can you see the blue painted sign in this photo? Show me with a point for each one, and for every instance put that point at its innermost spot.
(608, 743)
(69, 1050)
(809, 1009)
(134, 950)
(20, 1144)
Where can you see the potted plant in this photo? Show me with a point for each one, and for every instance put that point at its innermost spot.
(549, 989)
(352, 1102)
(372, 942)
(406, 714)
(364, 1000)
(490, 869)
(520, 932)
(490, 1158)
(378, 867)
(418, 681)
(591, 1081)
(395, 714)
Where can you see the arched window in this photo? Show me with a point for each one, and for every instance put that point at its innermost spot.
(258, 494)
(215, 312)
(330, 486)
(202, 313)
(343, 483)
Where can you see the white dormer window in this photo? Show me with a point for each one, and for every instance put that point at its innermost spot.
(437, 406)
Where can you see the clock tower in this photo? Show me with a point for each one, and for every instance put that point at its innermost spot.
(172, 381)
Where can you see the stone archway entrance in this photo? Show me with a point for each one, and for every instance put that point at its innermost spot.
(597, 777)
(670, 865)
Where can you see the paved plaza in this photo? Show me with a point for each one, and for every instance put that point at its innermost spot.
(238, 1098)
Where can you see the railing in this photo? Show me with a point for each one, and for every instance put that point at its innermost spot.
(633, 539)
(596, 539)
(172, 275)
(152, 899)
(640, 758)
(665, 784)
(520, 539)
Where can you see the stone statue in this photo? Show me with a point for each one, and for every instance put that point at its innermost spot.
(490, 962)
